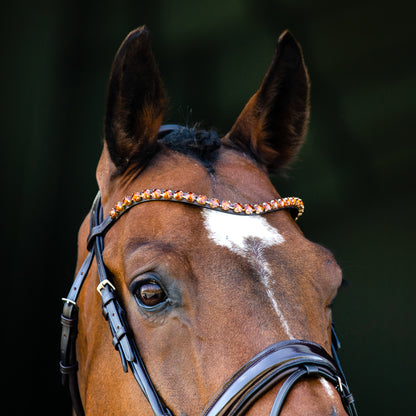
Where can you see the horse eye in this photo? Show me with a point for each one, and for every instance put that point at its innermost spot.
(150, 294)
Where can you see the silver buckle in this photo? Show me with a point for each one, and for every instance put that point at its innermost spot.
(101, 285)
(340, 384)
(68, 301)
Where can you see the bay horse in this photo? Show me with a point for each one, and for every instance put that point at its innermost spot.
(217, 303)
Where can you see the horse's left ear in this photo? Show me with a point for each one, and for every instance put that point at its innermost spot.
(272, 126)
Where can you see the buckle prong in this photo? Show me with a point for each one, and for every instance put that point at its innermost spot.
(101, 285)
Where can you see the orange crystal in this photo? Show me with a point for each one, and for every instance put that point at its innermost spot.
(214, 203)
(167, 194)
(178, 195)
(190, 197)
(248, 209)
(201, 199)
(156, 194)
(147, 194)
(259, 209)
(119, 207)
(238, 208)
(136, 197)
(225, 205)
(274, 204)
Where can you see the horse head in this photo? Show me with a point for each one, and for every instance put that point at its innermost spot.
(203, 291)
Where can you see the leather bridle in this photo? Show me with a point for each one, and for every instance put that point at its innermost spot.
(288, 360)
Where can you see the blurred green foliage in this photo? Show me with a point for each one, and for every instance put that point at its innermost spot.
(355, 172)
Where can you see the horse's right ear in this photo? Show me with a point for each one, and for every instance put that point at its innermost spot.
(136, 102)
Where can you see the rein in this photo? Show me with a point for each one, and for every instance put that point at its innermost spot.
(289, 360)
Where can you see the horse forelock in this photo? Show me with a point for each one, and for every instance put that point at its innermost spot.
(200, 144)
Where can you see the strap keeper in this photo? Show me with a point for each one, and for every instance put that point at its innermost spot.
(311, 369)
(349, 399)
(68, 369)
(118, 335)
(68, 322)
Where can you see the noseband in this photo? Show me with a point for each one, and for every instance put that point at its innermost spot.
(287, 360)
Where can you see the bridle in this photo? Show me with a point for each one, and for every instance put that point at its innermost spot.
(287, 360)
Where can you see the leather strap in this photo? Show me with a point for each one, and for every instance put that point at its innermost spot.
(69, 320)
(290, 360)
(68, 363)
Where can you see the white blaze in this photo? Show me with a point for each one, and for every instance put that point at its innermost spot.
(247, 236)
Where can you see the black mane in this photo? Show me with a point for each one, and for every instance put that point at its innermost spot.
(202, 145)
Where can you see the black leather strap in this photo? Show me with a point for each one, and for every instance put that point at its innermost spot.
(346, 396)
(303, 371)
(69, 320)
(291, 359)
(98, 230)
(68, 363)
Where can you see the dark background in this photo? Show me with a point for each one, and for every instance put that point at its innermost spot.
(355, 173)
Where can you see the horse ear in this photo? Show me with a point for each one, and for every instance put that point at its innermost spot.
(272, 126)
(136, 102)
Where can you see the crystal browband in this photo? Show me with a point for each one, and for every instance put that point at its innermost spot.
(205, 202)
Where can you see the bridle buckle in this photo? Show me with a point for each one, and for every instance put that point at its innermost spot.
(341, 390)
(68, 301)
(102, 284)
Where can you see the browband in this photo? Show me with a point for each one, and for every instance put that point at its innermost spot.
(294, 204)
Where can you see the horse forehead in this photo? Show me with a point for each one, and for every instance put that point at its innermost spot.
(235, 232)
